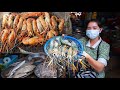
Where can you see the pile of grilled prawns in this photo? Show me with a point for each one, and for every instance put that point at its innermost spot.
(28, 28)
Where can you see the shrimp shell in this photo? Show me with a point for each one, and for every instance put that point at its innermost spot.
(20, 23)
(47, 19)
(54, 22)
(31, 14)
(25, 40)
(11, 38)
(39, 26)
(69, 54)
(32, 41)
(22, 34)
(5, 20)
(24, 26)
(4, 34)
(10, 21)
(65, 42)
(42, 20)
(30, 27)
(61, 24)
(64, 49)
(49, 35)
(16, 21)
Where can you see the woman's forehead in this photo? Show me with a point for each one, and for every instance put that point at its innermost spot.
(92, 24)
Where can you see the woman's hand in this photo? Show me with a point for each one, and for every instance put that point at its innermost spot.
(98, 66)
(85, 54)
(63, 35)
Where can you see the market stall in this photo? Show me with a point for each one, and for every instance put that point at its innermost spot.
(32, 44)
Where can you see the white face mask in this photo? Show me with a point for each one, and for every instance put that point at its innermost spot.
(92, 34)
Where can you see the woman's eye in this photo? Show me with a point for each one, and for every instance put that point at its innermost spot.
(95, 28)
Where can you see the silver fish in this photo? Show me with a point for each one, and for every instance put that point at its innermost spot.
(23, 71)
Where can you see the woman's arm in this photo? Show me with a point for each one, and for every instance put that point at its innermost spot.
(98, 66)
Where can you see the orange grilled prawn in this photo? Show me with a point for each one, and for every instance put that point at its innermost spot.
(31, 14)
(42, 20)
(4, 35)
(10, 21)
(61, 24)
(30, 27)
(20, 23)
(16, 20)
(35, 27)
(5, 21)
(11, 38)
(33, 41)
(54, 22)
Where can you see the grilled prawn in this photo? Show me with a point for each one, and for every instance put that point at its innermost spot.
(54, 22)
(16, 21)
(33, 41)
(10, 21)
(61, 24)
(11, 38)
(20, 23)
(5, 21)
(29, 27)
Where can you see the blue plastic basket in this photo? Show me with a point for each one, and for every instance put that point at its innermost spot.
(78, 43)
(13, 58)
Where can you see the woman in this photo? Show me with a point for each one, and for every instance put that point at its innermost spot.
(96, 51)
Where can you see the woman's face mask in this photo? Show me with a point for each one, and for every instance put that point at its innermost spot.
(93, 30)
(92, 34)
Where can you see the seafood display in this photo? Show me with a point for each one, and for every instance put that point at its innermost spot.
(43, 71)
(58, 63)
(20, 70)
(35, 29)
(23, 71)
(63, 52)
(28, 28)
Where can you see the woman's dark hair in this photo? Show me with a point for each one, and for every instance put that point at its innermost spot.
(94, 20)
